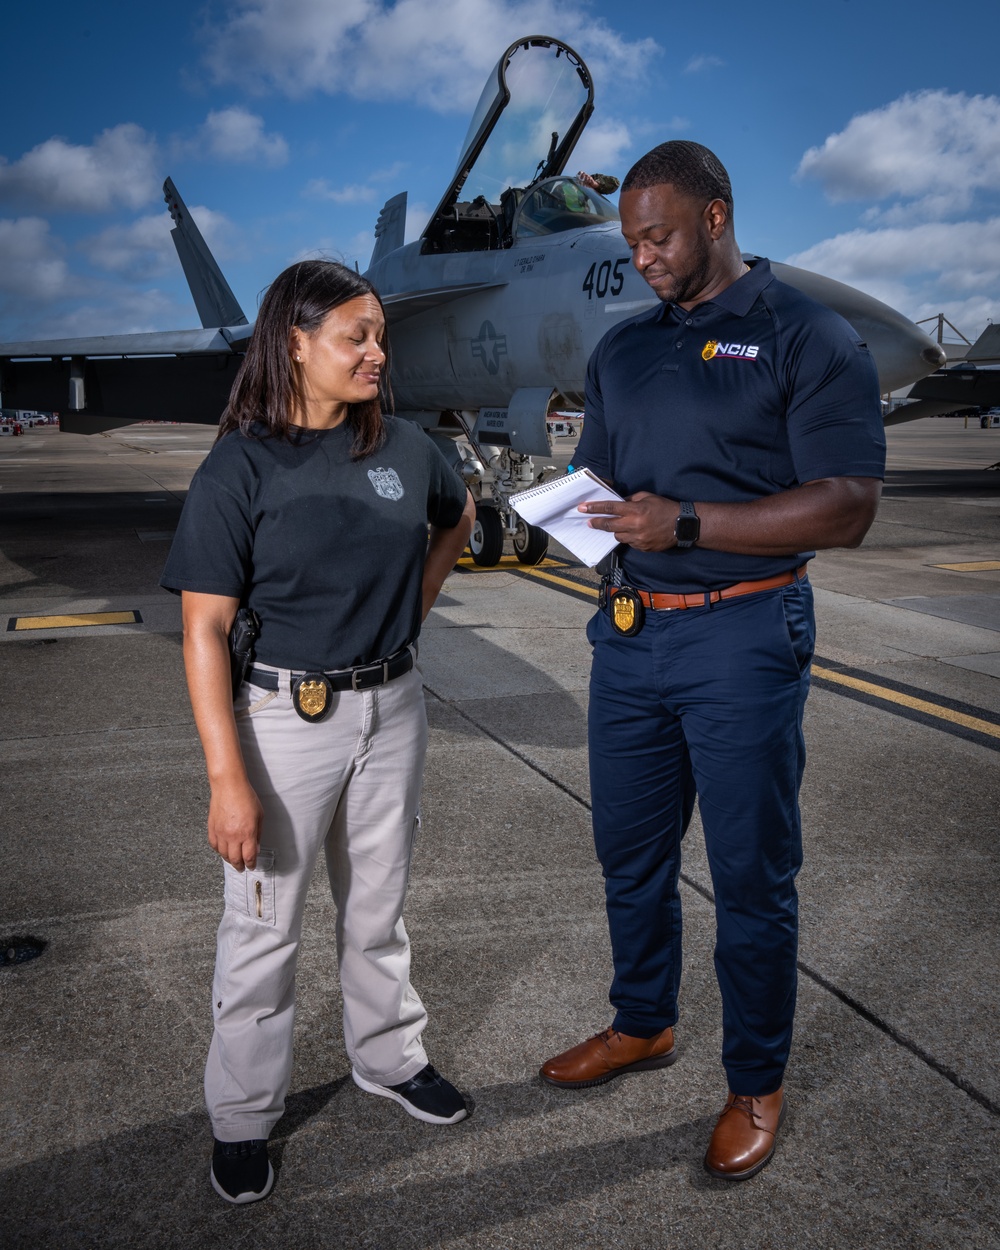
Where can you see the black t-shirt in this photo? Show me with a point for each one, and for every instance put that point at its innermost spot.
(743, 396)
(328, 551)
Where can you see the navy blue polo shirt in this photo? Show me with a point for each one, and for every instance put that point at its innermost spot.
(751, 393)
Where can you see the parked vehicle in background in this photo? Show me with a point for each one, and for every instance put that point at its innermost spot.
(564, 424)
(990, 419)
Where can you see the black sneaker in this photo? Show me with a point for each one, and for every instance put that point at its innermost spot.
(241, 1171)
(428, 1096)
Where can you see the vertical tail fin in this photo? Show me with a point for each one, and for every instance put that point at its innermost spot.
(390, 229)
(987, 346)
(213, 298)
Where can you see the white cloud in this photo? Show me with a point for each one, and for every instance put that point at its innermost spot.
(417, 217)
(390, 173)
(699, 63)
(355, 193)
(144, 249)
(41, 297)
(235, 134)
(320, 189)
(602, 148)
(31, 263)
(436, 52)
(921, 269)
(926, 159)
(118, 168)
(933, 148)
(114, 310)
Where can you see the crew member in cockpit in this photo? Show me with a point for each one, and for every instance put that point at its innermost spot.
(603, 184)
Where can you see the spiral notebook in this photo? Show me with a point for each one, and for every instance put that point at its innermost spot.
(552, 506)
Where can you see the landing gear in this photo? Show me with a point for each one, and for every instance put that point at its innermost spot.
(530, 543)
(486, 540)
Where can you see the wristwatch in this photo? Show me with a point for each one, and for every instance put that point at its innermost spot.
(687, 527)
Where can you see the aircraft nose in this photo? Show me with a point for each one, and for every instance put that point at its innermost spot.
(902, 351)
(935, 355)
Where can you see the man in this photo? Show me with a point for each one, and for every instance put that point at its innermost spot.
(741, 422)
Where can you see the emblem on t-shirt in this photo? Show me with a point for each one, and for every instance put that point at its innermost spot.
(387, 483)
(734, 351)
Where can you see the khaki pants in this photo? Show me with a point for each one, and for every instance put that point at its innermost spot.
(349, 785)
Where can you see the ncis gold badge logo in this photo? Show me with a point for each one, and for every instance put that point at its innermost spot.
(312, 696)
(714, 350)
(624, 610)
(628, 613)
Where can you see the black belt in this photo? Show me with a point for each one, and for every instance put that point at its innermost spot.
(363, 677)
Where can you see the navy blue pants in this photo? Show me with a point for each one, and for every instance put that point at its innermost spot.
(708, 702)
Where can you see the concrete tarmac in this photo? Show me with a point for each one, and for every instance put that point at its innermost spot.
(892, 1138)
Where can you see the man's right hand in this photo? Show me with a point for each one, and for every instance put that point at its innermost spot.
(234, 821)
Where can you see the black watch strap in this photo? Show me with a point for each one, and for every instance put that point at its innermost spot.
(687, 527)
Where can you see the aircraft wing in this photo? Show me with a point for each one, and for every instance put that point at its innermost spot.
(157, 343)
(922, 408)
(109, 380)
(951, 390)
(104, 381)
(409, 303)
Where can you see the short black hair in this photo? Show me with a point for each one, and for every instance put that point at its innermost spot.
(688, 166)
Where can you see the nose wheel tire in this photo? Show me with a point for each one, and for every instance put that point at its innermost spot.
(486, 540)
(530, 543)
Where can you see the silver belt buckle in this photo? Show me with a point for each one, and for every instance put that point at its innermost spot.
(370, 668)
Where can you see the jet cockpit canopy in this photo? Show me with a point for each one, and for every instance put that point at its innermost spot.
(528, 120)
(556, 204)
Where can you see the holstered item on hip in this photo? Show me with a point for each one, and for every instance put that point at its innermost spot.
(242, 636)
(623, 602)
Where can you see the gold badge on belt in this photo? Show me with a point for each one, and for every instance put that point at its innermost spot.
(628, 613)
(312, 696)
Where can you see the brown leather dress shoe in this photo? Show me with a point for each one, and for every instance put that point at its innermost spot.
(606, 1055)
(743, 1140)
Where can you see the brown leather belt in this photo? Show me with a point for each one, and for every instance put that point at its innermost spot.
(700, 599)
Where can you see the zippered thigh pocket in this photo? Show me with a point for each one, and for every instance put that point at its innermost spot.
(251, 892)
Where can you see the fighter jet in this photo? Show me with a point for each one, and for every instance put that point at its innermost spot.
(493, 311)
(971, 385)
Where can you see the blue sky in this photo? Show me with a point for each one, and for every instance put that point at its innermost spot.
(863, 139)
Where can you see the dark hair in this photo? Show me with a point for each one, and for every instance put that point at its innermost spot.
(691, 168)
(266, 385)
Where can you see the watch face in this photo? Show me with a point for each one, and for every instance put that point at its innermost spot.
(687, 529)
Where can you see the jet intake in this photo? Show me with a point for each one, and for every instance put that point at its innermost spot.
(521, 425)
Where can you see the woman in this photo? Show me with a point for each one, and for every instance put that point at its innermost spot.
(312, 509)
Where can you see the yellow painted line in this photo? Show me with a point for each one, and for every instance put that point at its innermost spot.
(974, 566)
(907, 700)
(829, 674)
(73, 621)
(506, 562)
(535, 571)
